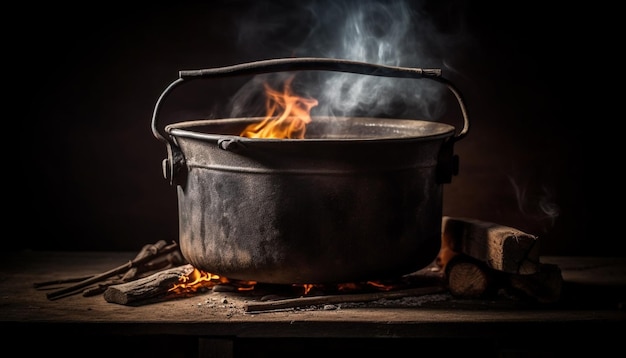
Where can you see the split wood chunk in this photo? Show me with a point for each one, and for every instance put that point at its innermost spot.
(500, 247)
(147, 287)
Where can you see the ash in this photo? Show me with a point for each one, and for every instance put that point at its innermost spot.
(411, 301)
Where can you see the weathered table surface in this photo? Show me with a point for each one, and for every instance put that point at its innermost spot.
(593, 299)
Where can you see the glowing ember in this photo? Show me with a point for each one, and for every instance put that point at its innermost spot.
(199, 279)
(380, 285)
(286, 117)
(346, 287)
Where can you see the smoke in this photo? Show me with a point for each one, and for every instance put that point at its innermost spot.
(395, 33)
(539, 206)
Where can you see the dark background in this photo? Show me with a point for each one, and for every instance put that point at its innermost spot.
(84, 169)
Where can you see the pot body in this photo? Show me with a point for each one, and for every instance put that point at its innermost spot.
(359, 202)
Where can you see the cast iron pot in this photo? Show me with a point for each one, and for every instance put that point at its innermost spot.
(363, 203)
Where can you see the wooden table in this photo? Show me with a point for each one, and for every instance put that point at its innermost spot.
(589, 318)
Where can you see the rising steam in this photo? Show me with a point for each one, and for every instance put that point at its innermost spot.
(396, 33)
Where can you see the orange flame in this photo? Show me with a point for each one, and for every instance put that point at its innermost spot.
(363, 285)
(447, 251)
(307, 288)
(198, 279)
(286, 117)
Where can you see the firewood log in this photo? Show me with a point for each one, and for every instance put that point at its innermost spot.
(147, 287)
(500, 247)
(470, 278)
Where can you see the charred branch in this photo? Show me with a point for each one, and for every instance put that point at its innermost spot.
(146, 251)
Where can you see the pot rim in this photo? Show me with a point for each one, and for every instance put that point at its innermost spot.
(386, 129)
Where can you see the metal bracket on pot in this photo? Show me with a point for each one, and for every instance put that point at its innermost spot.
(174, 165)
(232, 144)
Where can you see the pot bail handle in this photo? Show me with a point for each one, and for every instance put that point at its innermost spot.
(311, 64)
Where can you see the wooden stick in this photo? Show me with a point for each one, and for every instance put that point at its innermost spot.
(329, 299)
(170, 260)
(147, 287)
(101, 287)
(146, 250)
(60, 281)
(115, 271)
